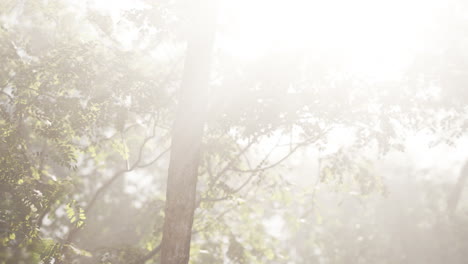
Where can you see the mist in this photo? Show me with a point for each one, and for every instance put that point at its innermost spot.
(237, 132)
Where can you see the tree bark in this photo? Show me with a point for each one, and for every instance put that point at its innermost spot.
(457, 190)
(187, 135)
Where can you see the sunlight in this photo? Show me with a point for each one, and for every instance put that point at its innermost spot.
(234, 131)
(375, 40)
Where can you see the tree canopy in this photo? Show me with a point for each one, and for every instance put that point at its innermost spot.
(298, 150)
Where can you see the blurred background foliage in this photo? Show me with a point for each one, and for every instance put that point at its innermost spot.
(302, 162)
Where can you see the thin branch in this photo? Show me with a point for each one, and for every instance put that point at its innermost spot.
(150, 254)
(216, 219)
(231, 162)
(253, 173)
(259, 167)
(292, 151)
(108, 183)
(155, 159)
(6, 94)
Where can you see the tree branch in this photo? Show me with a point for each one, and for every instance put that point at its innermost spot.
(73, 232)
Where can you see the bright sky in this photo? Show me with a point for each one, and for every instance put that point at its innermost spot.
(375, 39)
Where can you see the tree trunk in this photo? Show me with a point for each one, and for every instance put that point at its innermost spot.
(187, 136)
(455, 196)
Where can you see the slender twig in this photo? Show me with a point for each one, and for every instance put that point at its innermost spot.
(253, 173)
(154, 160)
(261, 168)
(71, 235)
(231, 162)
(150, 255)
(6, 94)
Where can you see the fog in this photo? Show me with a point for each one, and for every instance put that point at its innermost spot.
(217, 131)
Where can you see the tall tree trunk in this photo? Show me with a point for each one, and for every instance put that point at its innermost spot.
(457, 190)
(187, 135)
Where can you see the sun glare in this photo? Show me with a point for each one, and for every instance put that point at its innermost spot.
(373, 39)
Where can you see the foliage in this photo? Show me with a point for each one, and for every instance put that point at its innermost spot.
(85, 122)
